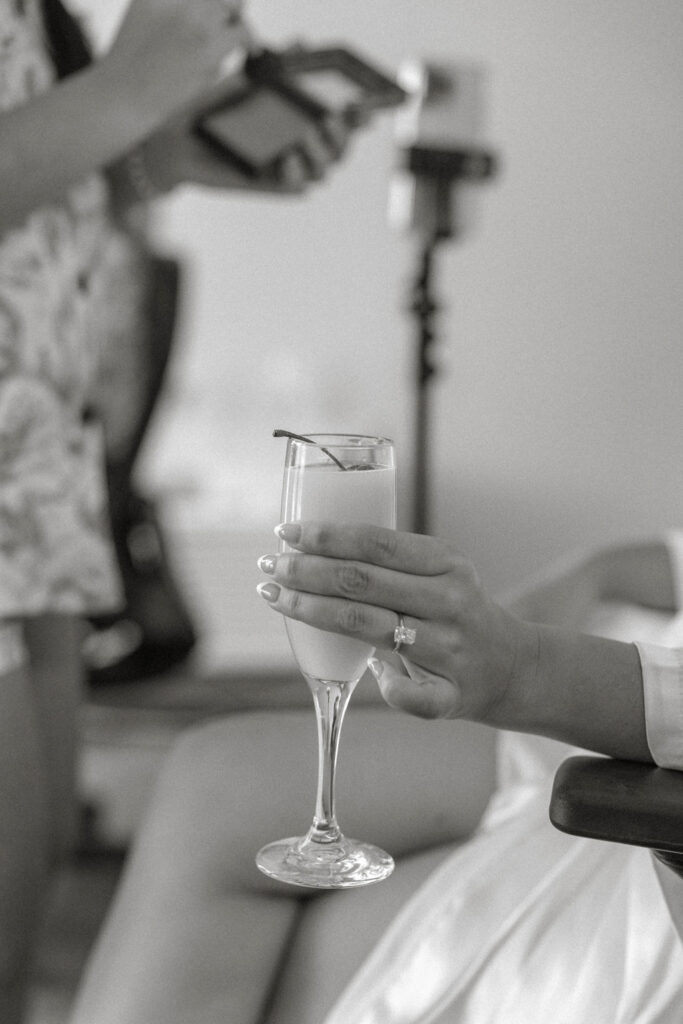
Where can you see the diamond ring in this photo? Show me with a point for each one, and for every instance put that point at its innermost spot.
(403, 635)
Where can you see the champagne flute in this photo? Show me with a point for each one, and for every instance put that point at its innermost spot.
(339, 478)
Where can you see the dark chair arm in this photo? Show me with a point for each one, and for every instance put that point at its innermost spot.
(621, 802)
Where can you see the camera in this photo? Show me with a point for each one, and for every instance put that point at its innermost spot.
(281, 94)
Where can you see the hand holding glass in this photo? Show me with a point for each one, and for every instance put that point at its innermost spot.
(345, 479)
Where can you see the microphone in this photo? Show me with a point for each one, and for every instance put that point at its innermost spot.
(438, 131)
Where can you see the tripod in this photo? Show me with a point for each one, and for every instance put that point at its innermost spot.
(436, 172)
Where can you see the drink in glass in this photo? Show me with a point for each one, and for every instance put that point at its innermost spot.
(341, 479)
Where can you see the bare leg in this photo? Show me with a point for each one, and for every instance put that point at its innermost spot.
(334, 935)
(37, 747)
(23, 850)
(196, 933)
(54, 646)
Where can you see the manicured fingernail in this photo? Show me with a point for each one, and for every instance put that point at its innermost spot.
(376, 667)
(266, 563)
(269, 591)
(290, 533)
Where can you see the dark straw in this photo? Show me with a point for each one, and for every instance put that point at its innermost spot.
(308, 440)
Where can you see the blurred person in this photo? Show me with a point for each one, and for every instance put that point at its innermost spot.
(491, 915)
(86, 144)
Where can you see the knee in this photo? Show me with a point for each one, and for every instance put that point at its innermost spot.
(217, 761)
(206, 812)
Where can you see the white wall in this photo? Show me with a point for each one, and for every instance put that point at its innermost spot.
(558, 419)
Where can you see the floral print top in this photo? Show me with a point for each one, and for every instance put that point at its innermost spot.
(60, 277)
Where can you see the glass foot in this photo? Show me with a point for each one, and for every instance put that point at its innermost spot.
(338, 865)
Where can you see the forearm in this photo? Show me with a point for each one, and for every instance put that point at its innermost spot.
(82, 124)
(582, 689)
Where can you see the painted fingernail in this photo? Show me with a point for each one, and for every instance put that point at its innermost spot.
(269, 591)
(290, 533)
(266, 563)
(376, 667)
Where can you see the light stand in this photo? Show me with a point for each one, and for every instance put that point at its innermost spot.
(436, 173)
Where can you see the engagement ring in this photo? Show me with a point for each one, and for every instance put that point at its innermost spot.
(403, 635)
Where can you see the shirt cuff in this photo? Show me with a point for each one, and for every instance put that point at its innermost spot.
(663, 694)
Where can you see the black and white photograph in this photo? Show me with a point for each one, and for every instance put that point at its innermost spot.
(341, 512)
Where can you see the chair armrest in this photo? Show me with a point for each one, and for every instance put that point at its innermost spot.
(621, 802)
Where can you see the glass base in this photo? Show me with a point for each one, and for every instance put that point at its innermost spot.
(338, 865)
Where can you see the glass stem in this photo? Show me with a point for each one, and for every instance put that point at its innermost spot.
(331, 700)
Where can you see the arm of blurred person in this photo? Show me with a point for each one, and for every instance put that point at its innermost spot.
(175, 155)
(164, 63)
(166, 54)
(472, 658)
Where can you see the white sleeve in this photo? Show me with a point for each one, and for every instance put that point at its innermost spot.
(663, 694)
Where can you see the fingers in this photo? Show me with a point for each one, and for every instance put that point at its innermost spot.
(322, 144)
(311, 160)
(292, 174)
(420, 693)
(407, 552)
(315, 153)
(364, 622)
(422, 597)
(335, 133)
(372, 624)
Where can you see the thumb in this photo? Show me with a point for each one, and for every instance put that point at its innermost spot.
(420, 693)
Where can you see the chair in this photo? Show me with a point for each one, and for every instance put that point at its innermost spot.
(625, 802)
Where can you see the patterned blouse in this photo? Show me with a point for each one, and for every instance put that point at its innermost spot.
(67, 291)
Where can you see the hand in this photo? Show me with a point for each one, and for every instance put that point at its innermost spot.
(469, 654)
(167, 53)
(175, 155)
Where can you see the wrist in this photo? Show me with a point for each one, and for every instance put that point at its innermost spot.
(130, 184)
(142, 188)
(518, 704)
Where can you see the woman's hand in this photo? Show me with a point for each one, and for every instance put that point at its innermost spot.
(176, 155)
(469, 655)
(169, 58)
(471, 658)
